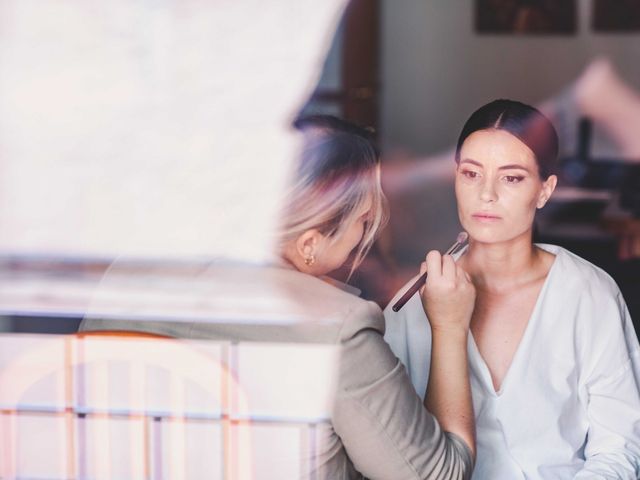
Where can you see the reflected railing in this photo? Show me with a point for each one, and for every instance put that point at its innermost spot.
(95, 406)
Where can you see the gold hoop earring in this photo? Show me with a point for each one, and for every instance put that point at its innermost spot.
(310, 260)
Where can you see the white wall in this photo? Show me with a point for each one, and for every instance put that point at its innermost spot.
(436, 69)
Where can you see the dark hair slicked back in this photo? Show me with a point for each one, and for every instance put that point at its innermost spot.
(522, 121)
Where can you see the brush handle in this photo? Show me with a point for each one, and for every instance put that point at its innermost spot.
(423, 278)
(410, 293)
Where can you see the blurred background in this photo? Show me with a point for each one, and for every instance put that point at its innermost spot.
(415, 70)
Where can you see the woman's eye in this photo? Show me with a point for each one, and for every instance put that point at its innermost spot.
(513, 178)
(469, 173)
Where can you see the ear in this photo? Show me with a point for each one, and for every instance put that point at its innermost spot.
(307, 244)
(548, 186)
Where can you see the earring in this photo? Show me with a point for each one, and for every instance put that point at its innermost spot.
(310, 260)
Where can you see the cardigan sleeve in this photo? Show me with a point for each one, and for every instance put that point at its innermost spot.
(386, 430)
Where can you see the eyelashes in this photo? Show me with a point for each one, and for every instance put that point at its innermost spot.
(509, 179)
(513, 178)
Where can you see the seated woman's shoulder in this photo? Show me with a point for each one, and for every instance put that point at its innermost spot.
(580, 274)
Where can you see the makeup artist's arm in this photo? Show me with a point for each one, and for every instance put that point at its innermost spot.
(384, 427)
(448, 299)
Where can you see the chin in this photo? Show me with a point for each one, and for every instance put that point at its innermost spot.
(487, 234)
(484, 238)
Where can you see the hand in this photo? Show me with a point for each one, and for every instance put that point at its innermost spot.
(448, 296)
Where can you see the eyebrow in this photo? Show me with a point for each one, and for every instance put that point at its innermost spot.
(513, 166)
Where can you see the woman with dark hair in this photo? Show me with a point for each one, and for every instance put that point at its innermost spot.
(379, 427)
(554, 360)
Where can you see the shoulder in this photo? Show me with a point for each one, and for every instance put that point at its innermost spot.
(301, 296)
(580, 275)
(326, 303)
(585, 293)
(330, 301)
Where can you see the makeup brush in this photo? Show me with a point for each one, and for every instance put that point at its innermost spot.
(460, 242)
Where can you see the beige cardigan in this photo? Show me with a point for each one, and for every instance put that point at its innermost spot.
(379, 426)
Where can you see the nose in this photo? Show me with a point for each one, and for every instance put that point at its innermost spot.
(488, 192)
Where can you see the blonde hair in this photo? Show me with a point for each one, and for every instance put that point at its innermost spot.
(337, 176)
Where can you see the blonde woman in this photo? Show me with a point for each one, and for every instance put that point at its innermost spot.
(379, 427)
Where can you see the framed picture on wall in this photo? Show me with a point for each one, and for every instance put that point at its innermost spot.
(617, 16)
(526, 16)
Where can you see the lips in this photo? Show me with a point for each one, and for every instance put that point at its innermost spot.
(486, 217)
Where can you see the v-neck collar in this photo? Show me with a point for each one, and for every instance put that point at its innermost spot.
(524, 340)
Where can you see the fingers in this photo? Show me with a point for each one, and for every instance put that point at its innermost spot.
(449, 269)
(440, 266)
(461, 273)
(434, 264)
(448, 296)
(423, 267)
(443, 267)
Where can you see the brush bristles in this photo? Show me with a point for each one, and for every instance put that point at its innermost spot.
(462, 237)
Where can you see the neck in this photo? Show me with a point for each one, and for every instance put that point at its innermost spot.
(499, 267)
(284, 262)
(290, 259)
